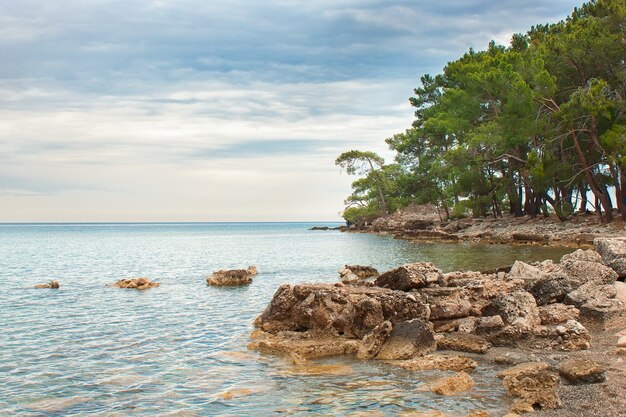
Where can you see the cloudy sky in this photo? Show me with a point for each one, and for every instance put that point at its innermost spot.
(195, 110)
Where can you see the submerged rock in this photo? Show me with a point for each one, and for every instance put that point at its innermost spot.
(232, 277)
(452, 385)
(136, 283)
(50, 285)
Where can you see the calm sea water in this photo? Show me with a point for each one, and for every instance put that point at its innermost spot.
(88, 349)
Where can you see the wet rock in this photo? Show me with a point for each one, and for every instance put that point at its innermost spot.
(350, 274)
(438, 362)
(136, 283)
(582, 371)
(518, 308)
(231, 278)
(452, 385)
(534, 384)
(613, 253)
(411, 276)
(407, 340)
(447, 302)
(288, 344)
(557, 313)
(49, 285)
(374, 340)
(463, 342)
(551, 289)
(252, 270)
(350, 311)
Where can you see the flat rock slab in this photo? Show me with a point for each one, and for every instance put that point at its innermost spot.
(463, 342)
(582, 371)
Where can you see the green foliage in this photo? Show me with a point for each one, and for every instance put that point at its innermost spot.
(513, 128)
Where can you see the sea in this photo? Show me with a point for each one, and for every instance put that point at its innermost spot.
(87, 349)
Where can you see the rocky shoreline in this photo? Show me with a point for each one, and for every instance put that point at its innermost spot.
(424, 224)
(550, 326)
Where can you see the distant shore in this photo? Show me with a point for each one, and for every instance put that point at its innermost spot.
(423, 224)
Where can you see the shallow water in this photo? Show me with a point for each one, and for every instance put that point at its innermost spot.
(180, 349)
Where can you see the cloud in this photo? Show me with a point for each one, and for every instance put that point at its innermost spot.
(140, 104)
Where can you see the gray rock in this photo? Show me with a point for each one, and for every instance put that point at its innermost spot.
(518, 308)
(613, 253)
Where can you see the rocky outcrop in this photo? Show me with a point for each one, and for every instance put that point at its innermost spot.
(582, 371)
(136, 283)
(534, 384)
(348, 311)
(411, 276)
(613, 253)
(350, 274)
(50, 285)
(232, 277)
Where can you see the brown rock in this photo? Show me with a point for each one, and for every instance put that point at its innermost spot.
(452, 385)
(287, 344)
(438, 362)
(463, 342)
(534, 384)
(350, 274)
(447, 302)
(51, 285)
(557, 313)
(136, 283)
(582, 371)
(374, 340)
(410, 276)
(230, 278)
(407, 340)
(518, 308)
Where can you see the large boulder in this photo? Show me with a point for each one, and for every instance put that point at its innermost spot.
(347, 311)
(613, 253)
(590, 292)
(518, 308)
(534, 384)
(411, 276)
(407, 340)
(232, 277)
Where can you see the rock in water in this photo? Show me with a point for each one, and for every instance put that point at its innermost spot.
(411, 276)
(350, 274)
(136, 283)
(231, 278)
(407, 340)
(51, 285)
(453, 385)
(613, 253)
(582, 371)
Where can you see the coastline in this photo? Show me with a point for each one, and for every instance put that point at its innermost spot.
(422, 224)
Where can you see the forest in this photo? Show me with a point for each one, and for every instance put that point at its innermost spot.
(535, 128)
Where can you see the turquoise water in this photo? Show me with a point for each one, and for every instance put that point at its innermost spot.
(88, 349)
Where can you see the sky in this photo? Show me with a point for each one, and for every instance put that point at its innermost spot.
(196, 110)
